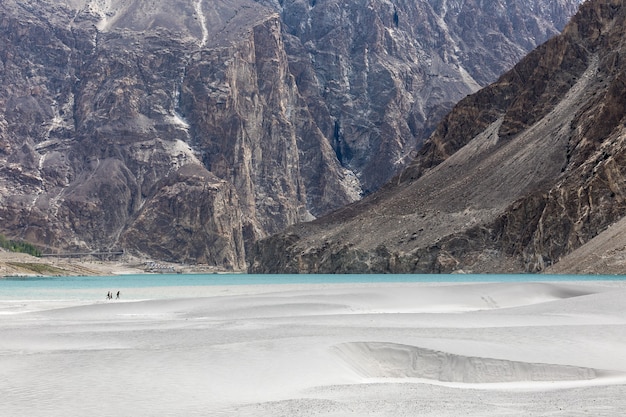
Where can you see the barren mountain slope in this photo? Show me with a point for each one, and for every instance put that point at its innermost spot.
(186, 130)
(515, 177)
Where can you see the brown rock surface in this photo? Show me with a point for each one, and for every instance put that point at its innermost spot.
(516, 177)
(193, 217)
(604, 254)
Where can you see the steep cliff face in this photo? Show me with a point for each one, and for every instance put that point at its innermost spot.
(95, 134)
(193, 217)
(119, 117)
(379, 75)
(517, 176)
(104, 105)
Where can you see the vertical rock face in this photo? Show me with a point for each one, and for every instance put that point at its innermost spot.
(237, 102)
(379, 75)
(192, 217)
(517, 176)
(187, 130)
(118, 97)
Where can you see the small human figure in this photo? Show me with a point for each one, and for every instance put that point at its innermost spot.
(109, 295)
(118, 295)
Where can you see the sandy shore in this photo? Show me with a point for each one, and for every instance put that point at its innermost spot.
(497, 349)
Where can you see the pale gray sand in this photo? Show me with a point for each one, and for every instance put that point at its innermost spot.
(510, 349)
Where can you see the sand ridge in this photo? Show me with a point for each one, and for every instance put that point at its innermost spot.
(392, 360)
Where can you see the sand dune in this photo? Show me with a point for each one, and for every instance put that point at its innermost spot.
(302, 350)
(392, 360)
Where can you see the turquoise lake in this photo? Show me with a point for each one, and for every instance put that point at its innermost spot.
(92, 286)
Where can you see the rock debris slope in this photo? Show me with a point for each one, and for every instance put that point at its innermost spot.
(517, 176)
(186, 130)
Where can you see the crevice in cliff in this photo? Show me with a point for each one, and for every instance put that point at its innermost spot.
(177, 113)
(203, 24)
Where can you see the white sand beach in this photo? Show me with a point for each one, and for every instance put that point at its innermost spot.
(493, 349)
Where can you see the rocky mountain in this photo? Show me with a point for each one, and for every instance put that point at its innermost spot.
(186, 130)
(516, 177)
(379, 75)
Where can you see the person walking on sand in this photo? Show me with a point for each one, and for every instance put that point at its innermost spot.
(118, 295)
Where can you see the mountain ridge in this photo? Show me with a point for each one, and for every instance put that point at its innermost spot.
(515, 177)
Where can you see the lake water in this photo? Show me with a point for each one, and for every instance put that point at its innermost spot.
(184, 285)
